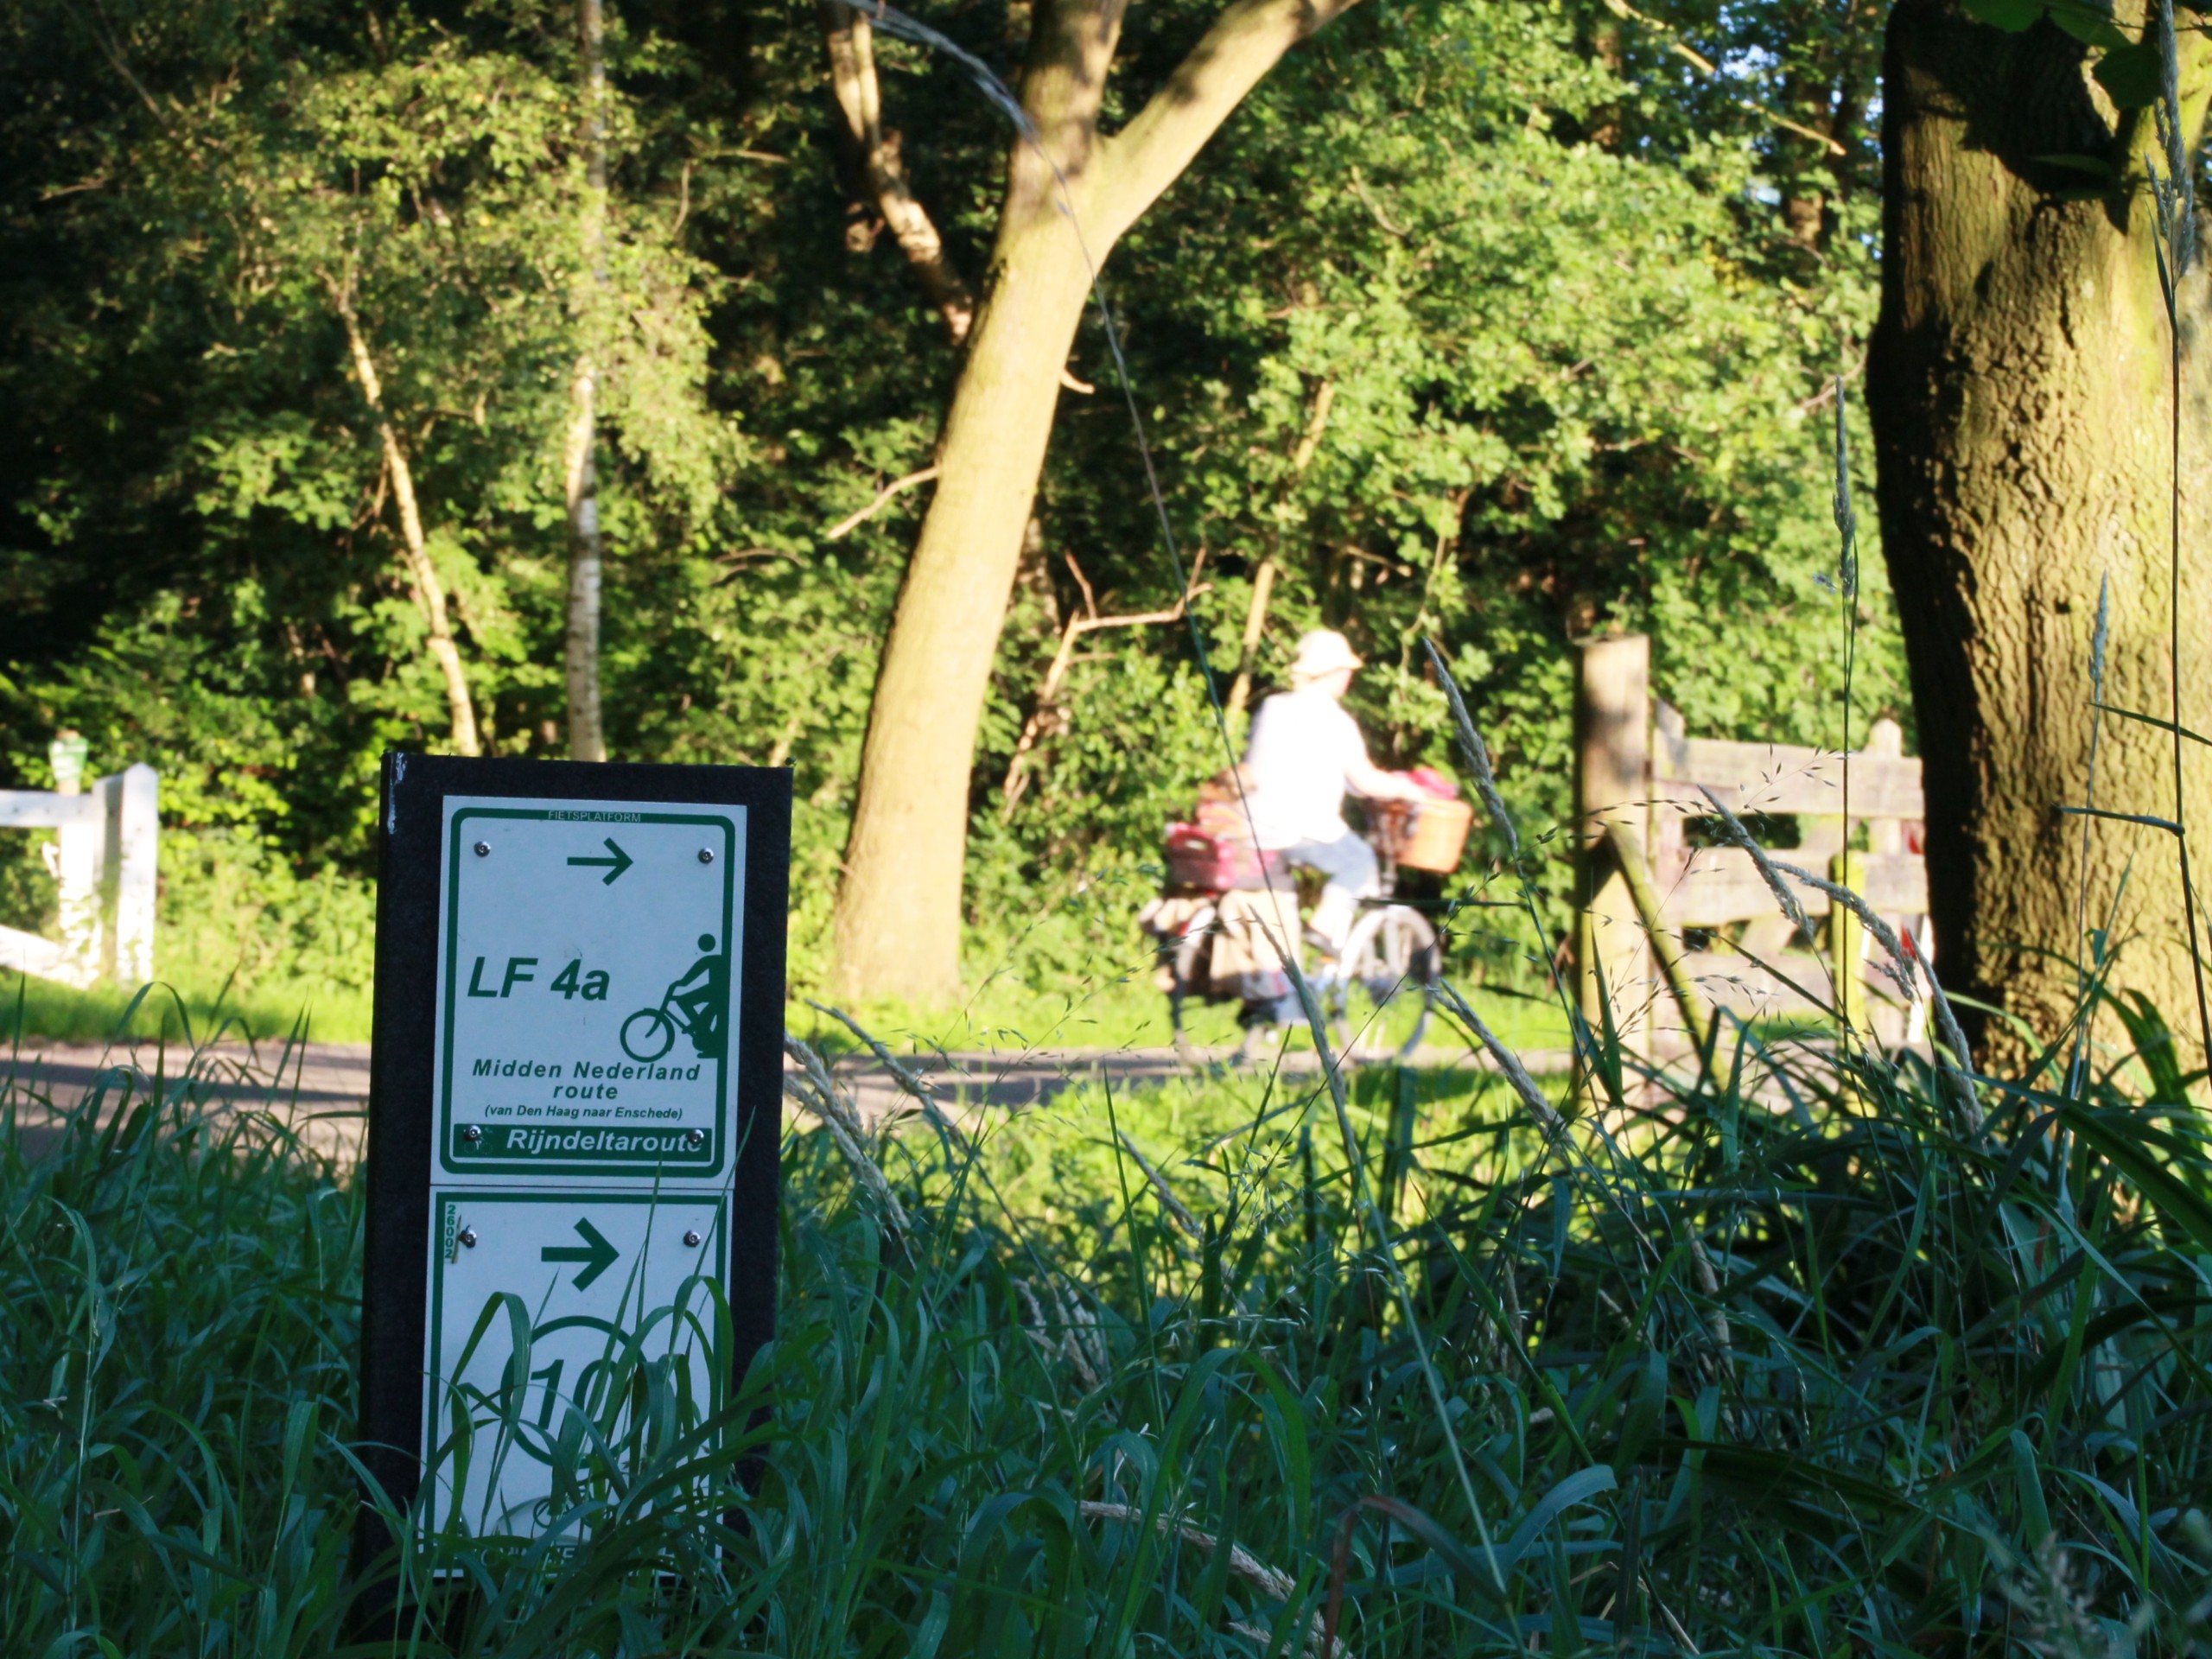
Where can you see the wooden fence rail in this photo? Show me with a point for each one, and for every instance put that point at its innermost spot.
(1638, 772)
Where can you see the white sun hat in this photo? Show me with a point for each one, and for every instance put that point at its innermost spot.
(1320, 652)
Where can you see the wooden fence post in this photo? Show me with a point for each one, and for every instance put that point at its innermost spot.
(134, 805)
(80, 869)
(1847, 939)
(1669, 754)
(106, 863)
(1612, 786)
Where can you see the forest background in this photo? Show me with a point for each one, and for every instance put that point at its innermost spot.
(1500, 323)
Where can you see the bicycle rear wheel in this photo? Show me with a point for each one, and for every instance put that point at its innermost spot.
(1183, 957)
(648, 1035)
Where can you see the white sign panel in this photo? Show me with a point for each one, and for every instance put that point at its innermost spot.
(609, 1281)
(573, 1125)
(589, 966)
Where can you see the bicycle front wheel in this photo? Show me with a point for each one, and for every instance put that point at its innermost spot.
(1391, 962)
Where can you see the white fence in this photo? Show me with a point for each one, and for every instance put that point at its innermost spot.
(106, 861)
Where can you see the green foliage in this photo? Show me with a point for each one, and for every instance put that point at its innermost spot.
(1553, 284)
(1496, 389)
(235, 910)
(427, 182)
(30, 897)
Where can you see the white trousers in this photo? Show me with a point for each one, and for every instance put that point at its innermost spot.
(1348, 863)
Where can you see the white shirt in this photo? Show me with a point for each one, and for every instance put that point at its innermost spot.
(1303, 747)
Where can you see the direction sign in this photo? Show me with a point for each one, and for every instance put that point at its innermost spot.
(575, 1112)
(587, 976)
(609, 1280)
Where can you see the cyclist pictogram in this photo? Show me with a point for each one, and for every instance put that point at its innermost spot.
(696, 1004)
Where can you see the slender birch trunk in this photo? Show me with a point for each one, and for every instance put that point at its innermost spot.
(580, 470)
(414, 552)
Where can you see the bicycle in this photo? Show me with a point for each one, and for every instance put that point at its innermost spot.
(1392, 951)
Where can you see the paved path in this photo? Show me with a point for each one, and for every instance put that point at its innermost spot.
(321, 1091)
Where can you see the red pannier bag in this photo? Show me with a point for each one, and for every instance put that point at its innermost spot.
(1195, 859)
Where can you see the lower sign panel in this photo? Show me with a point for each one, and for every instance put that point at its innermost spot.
(546, 1312)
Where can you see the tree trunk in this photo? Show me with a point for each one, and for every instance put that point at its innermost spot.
(580, 467)
(414, 546)
(898, 915)
(1255, 627)
(899, 909)
(2018, 386)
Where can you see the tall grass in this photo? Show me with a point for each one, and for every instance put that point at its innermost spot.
(1781, 1361)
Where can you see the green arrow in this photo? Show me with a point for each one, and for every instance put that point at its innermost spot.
(614, 866)
(595, 1252)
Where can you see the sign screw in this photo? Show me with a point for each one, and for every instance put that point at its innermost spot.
(472, 1134)
(483, 850)
(696, 1138)
(705, 855)
(468, 1237)
(691, 1237)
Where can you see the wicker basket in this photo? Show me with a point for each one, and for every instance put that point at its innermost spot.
(1436, 837)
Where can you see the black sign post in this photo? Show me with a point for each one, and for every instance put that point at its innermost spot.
(575, 1088)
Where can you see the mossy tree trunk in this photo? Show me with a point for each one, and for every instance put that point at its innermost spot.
(899, 912)
(2018, 387)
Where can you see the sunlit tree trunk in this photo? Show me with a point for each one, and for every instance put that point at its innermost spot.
(899, 912)
(2019, 386)
(580, 468)
(414, 545)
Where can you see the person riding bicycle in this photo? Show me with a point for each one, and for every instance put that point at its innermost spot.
(1305, 751)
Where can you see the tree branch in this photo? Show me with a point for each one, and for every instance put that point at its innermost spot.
(884, 497)
(1705, 66)
(1064, 76)
(1048, 692)
(851, 40)
(114, 55)
(1150, 154)
(415, 551)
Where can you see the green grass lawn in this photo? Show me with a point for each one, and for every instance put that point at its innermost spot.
(1112, 1003)
(1112, 1008)
(1215, 1367)
(187, 1010)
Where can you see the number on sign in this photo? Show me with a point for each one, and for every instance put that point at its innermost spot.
(552, 1375)
(573, 980)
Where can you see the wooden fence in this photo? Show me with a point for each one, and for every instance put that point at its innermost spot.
(1637, 778)
(105, 861)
